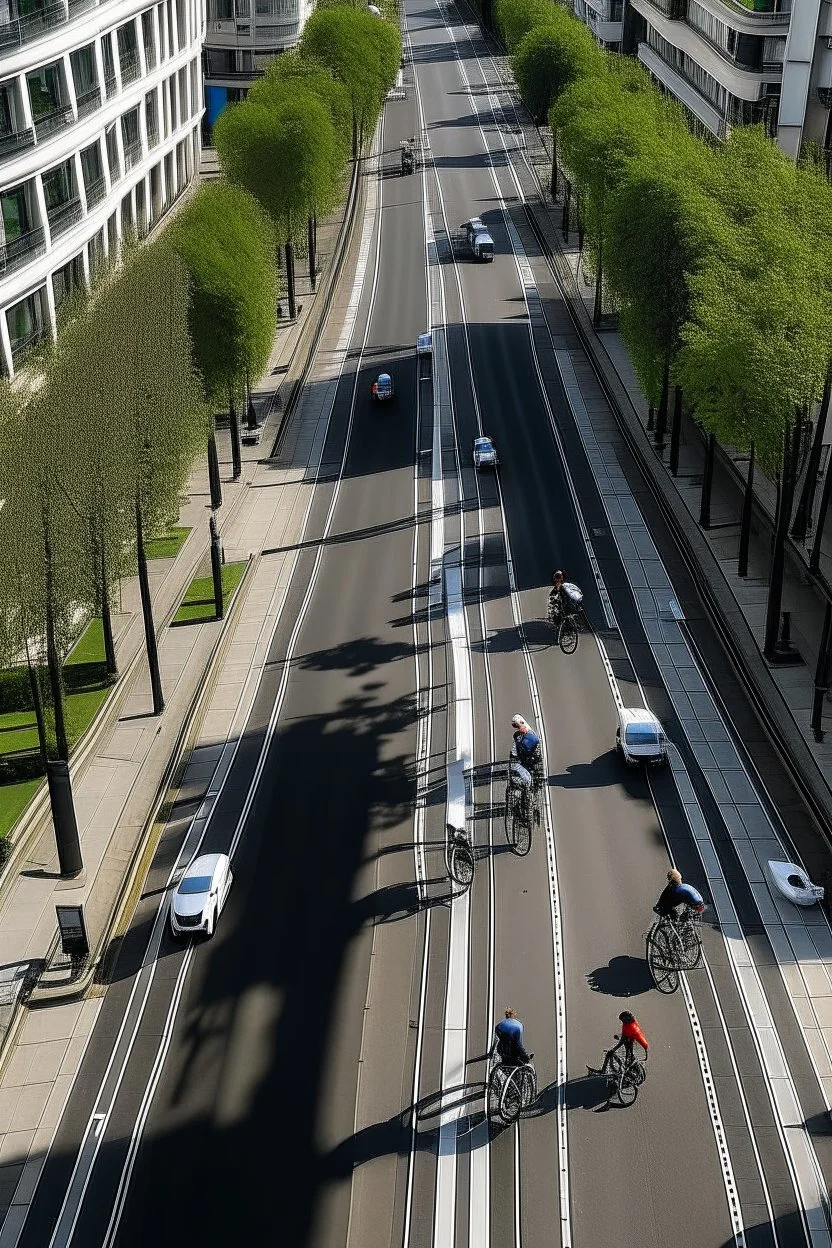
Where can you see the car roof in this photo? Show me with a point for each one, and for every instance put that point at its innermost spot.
(483, 442)
(637, 715)
(384, 377)
(206, 864)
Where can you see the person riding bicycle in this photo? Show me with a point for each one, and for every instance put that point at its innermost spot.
(631, 1034)
(526, 749)
(509, 1040)
(556, 595)
(676, 894)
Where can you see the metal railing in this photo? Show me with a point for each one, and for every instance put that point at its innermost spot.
(22, 346)
(56, 119)
(130, 69)
(237, 75)
(88, 101)
(110, 84)
(95, 192)
(132, 153)
(64, 216)
(150, 56)
(153, 136)
(32, 26)
(770, 15)
(10, 144)
(18, 251)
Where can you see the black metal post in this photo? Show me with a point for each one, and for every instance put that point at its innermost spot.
(290, 279)
(567, 201)
(63, 817)
(778, 559)
(216, 568)
(822, 675)
(147, 616)
(651, 418)
(553, 181)
(310, 243)
(676, 429)
(803, 515)
(214, 483)
(814, 558)
(707, 482)
(747, 507)
(661, 415)
(236, 448)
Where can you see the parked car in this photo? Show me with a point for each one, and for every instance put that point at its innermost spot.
(250, 435)
(200, 895)
(382, 388)
(424, 344)
(640, 737)
(485, 454)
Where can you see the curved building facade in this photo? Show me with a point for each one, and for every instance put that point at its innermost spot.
(100, 111)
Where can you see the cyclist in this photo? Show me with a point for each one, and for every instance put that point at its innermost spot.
(555, 595)
(631, 1034)
(509, 1041)
(526, 744)
(675, 894)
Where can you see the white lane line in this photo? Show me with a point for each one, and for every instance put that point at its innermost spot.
(81, 1176)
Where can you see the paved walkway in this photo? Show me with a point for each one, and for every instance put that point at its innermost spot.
(121, 777)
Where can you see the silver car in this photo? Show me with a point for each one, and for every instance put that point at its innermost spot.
(640, 737)
(200, 895)
(485, 454)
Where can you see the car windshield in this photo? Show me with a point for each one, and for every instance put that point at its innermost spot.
(485, 446)
(643, 734)
(195, 884)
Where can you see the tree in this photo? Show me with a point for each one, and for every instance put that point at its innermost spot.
(226, 243)
(549, 58)
(515, 18)
(285, 156)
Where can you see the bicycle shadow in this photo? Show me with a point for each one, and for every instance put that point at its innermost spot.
(624, 976)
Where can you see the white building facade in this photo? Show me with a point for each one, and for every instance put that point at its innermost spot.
(735, 62)
(101, 105)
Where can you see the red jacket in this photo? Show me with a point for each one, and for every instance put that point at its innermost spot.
(632, 1031)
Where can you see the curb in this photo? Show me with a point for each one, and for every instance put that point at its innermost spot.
(170, 778)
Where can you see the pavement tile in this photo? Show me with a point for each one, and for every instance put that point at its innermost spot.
(73, 1054)
(46, 1061)
(14, 1147)
(30, 1106)
(25, 1190)
(87, 1016)
(9, 1178)
(52, 1022)
(54, 1106)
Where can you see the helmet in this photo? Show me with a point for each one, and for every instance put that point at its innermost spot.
(626, 1017)
(518, 721)
(674, 876)
(557, 574)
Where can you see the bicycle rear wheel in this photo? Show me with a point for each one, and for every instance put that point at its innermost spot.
(661, 960)
(493, 1091)
(638, 1072)
(626, 1087)
(690, 947)
(511, 816)
(461, 863)
(511, 1097)
(528, 1086)
(568, 637)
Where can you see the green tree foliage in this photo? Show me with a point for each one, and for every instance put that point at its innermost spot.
(226, 243)
(515, 18)
(291, 71)
(550, 58)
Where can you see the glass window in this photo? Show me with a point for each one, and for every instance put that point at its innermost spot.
(109, 62)
(91, 165)
(130, 128)
(57, 186)
(147, 38)
(15, 212)
(6, 111)
(112, 154)
(44, 90)
(126, 36)
(84, 73)
(151, 117)
(25, 321)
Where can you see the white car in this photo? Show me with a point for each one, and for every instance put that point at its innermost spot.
(200, 895)
(640, 737)
(250, 435)
(424, 344)
(485, 454)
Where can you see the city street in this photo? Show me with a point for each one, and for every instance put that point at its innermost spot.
(315, 1073)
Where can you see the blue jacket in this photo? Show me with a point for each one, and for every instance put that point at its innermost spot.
(510, 1041)
(526, 743)
(676, 895)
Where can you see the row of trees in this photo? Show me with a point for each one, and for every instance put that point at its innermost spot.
(98, 436)
(717, 255)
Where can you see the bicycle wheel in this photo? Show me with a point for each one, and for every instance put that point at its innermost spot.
(494, 1090)
(568, 637)
(626, 1087)
(511, 1097)
(511, 816)
(661, 960)
(461, 864)
(690, 947)
(524, 836)
(528, 1086)
(638, 1072)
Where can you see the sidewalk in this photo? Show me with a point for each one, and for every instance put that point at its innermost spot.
(210, 672)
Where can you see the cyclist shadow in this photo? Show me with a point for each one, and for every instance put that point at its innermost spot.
(458, 1097)
(623, 976)
(590, 1092)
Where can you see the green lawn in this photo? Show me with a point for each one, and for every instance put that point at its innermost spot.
(198, 603)
(85, 680)
(168, 545)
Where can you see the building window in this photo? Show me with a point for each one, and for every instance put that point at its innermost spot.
(85, 77)
(131, 138)
(95, 187)
(128, 52)
(151, 117)
(110, 81)
(148, 39)
(69, 278)
(44, 90)
(15, 208)
(27, 324)
(112, 154)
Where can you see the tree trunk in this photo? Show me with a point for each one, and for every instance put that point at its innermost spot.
(803, 515)
(290, 278)
(707, 482)
(107, 621)
(53, 661)
(310, 236)
(676, 429)
(567, 200)
(37, 703)
(778, 558)
(147, 616)
(597, 310)
(661, 415)
(553, 183)
(814, 558)
(216, 568)
(214, 483)
(234, 430)
(745, 528)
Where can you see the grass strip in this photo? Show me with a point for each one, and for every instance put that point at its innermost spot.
(198, 603)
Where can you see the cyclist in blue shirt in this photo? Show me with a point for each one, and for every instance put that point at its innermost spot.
(526, 749)
(675, 893)
(509, 1042)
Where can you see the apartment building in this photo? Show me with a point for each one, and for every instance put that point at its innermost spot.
(100, 111)
(241, 38)
(732, 62)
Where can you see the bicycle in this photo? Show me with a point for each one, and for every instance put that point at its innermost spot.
(522, 810)
(567, 625)
(674, 944)
(511, 1089)
(459, 856)
(624, 1075)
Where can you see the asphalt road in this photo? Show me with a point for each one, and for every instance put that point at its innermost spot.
(321, 1082)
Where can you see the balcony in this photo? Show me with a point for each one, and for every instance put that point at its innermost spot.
(80, 6)
(149, 56)
(11, 144)
(88, 101)
(55, 119)
(96, 191)
(762, 12)
(232, 75)
(130, 69)
(110, 85)
(132, 153)
(19, 251)
(22, 346)
(26, 29)
(152, 136)
(64, 217)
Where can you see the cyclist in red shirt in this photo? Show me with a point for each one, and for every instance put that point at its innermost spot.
(631, 1034)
